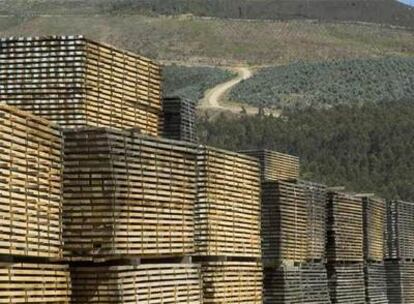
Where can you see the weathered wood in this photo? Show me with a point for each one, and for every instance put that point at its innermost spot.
(179, 119)
(276, 166)
(346, 283)
(227, 215)
(374, 213)
(30, 185)
(400, 232)
(345, 227)
(127, 194)
(146, 283)
(296, 284)
(375, 283)
(34, 283)
(77, 82)
(232, 282)
(400, 281)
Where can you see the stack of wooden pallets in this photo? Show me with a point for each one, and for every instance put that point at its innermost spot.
(232, 282)
(77, 82)
(345, 248)
(376, 283)
(301, 283)
(145, 283)
(34, 283)
(227, 215)
(374, 215)
(345, 228)
(275, 165)
(31, 210)
(400, 232)
(179, 118)
(346, 283)
(315, 197)
(227, 226)
(30, 181)
(127, 195)
(400, 281)
(284, 222)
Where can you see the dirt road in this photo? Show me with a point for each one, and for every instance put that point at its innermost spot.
(213, 99)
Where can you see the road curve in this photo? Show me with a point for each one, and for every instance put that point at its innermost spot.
(214, 96)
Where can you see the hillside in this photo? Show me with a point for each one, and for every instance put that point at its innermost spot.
(223, 42)
(365, 148)
(329, 83)
(378, 11)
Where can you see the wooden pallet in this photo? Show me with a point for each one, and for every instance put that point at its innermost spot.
(400, 281)
(374, 213)
(232, 282)
(375, 283)
(179, 119)
(284, 221)
(227, 216)
(345, 227)
(400, 232)
(77, 82)
(315, 196)
(296, 284)
(127, 194)
(34, 283)
(145, 283)
(275, 165)
(346, 283)
(30, 185)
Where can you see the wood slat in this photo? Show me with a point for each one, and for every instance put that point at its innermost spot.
(145, 283)
(127, 194)
(34, 283)
(275, 165)
(346, 283)
(30, 185)
(77, 82)
(374, 213)
(232, 282)
(227, 215)
(400, 281)
(375, 283)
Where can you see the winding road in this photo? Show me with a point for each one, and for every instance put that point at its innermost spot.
(214, 97)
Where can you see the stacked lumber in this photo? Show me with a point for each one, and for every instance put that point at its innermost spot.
(34, 283)
(77, 82)
(302, 283)
(282, 285)
(227, 215)
(179, 119)
(400, 281)
(314, 279)
(284, 221)
(346, 283)
(400, 232)
(315, 196)
(232, 282)
(127, 195)
(145, 283)
(30, 185)
(375, 283)
(374, 214)
(345, 227)
(275, 165)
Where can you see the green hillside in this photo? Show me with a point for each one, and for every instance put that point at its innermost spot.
(365, 148)
(329, 83)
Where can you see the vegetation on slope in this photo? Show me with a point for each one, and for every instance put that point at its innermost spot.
(379, 11)
(329, 83)
(365, 148)
(192, 82)
(223, 41)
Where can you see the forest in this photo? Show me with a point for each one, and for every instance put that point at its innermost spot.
(366, 148)
(329, 83)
